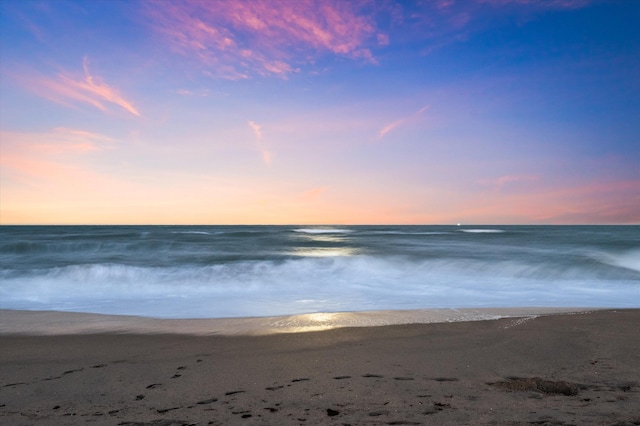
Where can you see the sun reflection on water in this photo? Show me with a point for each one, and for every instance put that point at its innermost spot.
(324, 251)
(310, 322)
(328, 245)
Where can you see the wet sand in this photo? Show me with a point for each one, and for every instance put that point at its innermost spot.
(556, 369)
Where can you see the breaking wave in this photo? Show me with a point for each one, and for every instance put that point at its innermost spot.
(331, 284)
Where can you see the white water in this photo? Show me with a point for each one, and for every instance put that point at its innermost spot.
(322, 284)
(217, 271)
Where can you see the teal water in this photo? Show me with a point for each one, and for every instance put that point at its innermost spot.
(234, 271)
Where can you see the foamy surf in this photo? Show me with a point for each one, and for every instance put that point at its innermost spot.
(265, 271)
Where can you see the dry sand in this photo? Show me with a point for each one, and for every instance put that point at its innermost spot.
(558, 369)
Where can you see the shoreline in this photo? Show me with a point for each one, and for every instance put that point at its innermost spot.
(547, 370)
(27, 322)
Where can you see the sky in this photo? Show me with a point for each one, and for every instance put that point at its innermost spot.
(319, 112)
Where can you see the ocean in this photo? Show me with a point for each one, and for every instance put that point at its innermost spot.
(254, 271)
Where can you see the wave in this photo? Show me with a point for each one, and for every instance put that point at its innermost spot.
(408, 233)
(328, 284)
(323, 231)
(629, 259)
(483, 231)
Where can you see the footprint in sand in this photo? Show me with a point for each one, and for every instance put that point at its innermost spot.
(446, 379)
(331, 412)
(272, 388)
(207, 401)
(166, 410)
(379, 413)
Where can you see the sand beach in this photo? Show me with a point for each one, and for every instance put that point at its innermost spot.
(557, 369)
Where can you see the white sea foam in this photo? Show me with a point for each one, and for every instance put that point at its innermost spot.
(263, 271)
(324, 284)
(629, 259)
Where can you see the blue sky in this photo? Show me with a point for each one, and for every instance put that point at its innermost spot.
(487, 111)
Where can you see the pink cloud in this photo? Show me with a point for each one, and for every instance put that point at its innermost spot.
(267, 157)
(87, 89)
(236, 39)
(383, 39)
(444, 4)
(257, 129)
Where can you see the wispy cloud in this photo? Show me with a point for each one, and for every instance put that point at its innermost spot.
(402, 121)
(506, 180)
(238, 39)
(267, 155)
(89, 89)
(257, 129)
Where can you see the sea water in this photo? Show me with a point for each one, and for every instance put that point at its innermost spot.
(248, 271)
